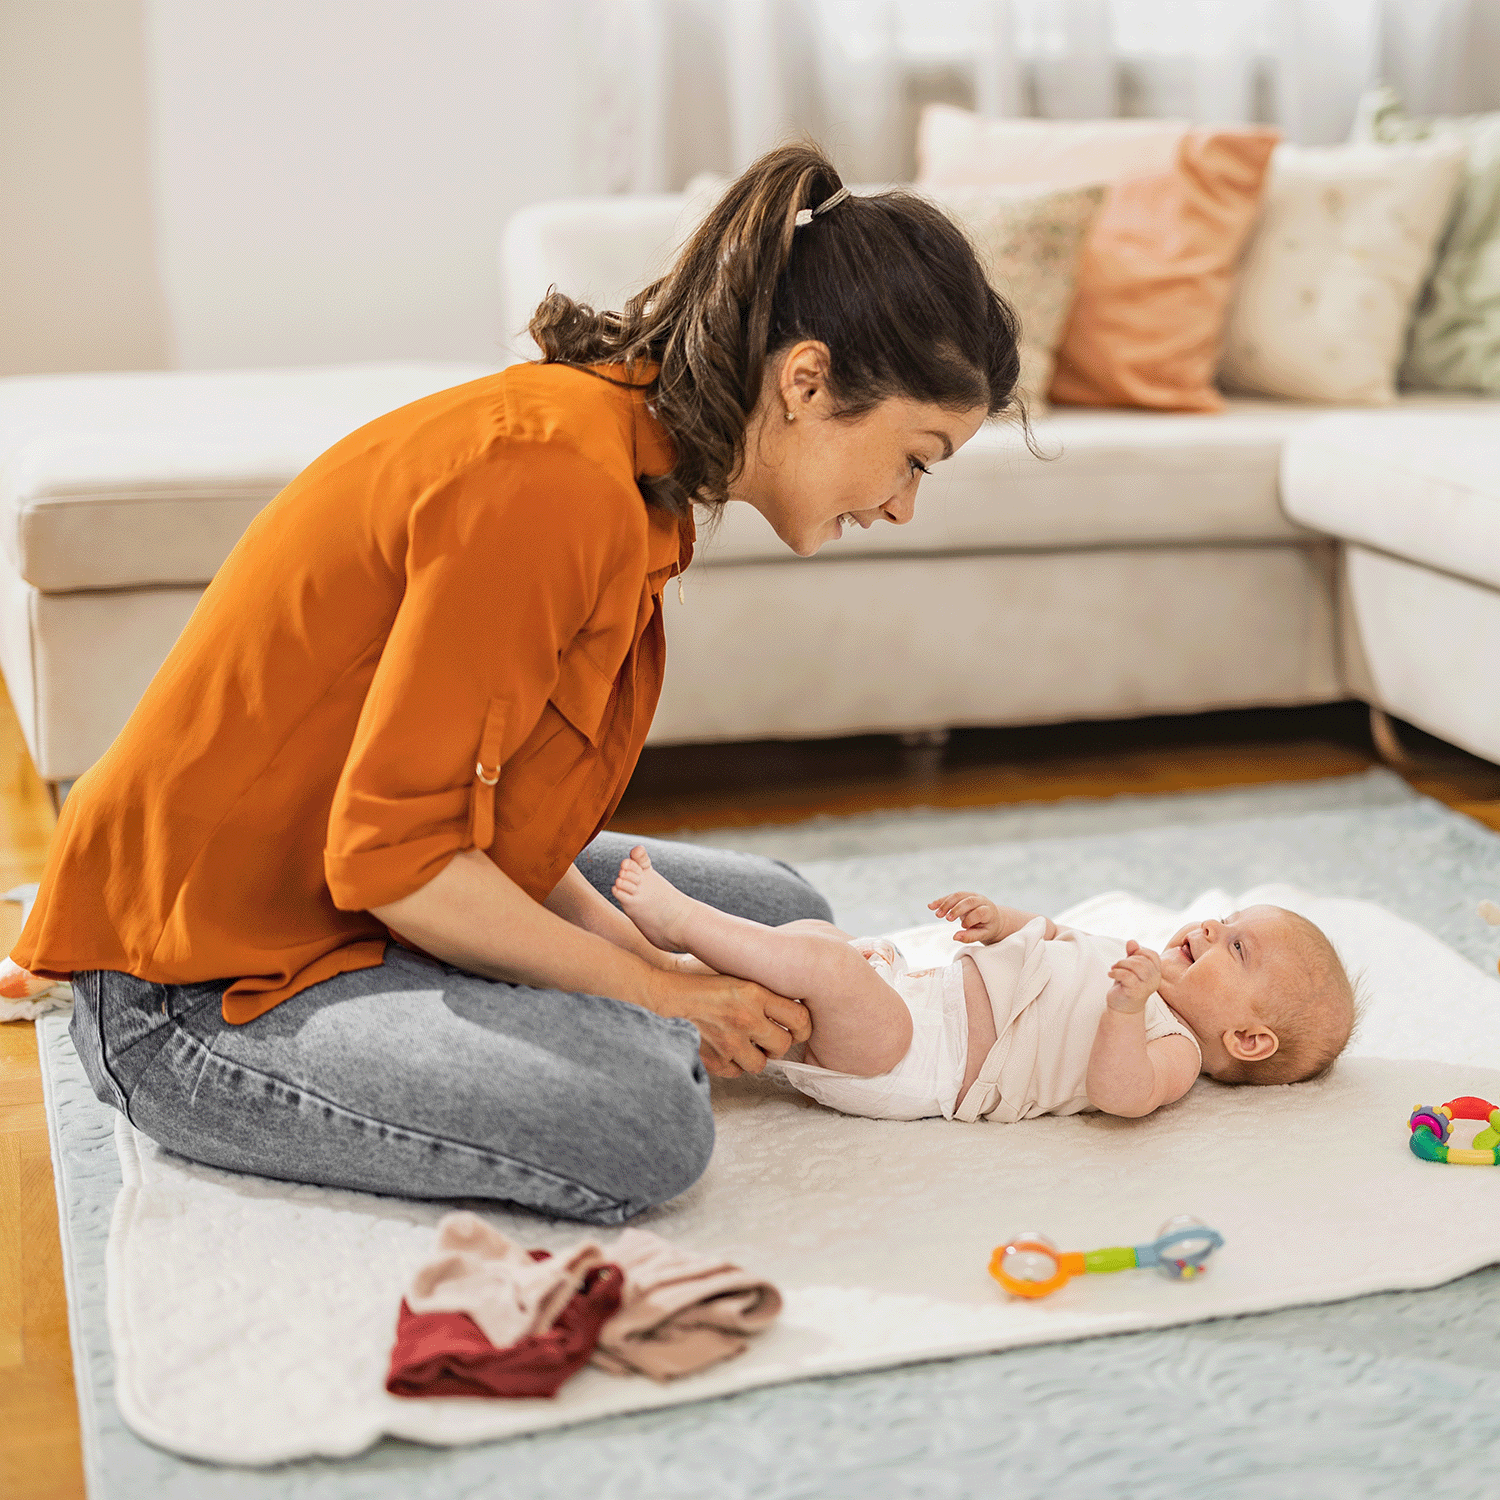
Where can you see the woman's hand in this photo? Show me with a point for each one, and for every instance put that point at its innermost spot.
(741, 1024)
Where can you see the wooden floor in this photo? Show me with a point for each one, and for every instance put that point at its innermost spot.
(38, 1413)
(772, 781)
(674, 789)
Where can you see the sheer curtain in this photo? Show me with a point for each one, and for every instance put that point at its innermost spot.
(731, 77)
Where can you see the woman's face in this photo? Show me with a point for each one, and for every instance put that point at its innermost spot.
(817, 473)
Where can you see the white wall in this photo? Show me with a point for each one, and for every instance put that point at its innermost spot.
(212, 183)
(331, 176)
(79, 288)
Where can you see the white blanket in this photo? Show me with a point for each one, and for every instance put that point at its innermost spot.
(252, 1321)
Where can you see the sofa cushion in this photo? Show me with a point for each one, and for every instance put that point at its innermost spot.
(1115, 478)
(1029, 241)
(1425, 488)
(1326, 287)
(123, 481)
(1454, 342)
(116, 481)
(1154, 278)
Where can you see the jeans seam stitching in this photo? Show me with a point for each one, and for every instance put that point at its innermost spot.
(95, 1013)
(420, 1135)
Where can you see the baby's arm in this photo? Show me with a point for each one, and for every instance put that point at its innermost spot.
(1127, 1074)
(980, 920)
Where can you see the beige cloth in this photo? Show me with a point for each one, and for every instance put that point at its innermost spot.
(480, 1272)
(681, 1311)
(1047, 997)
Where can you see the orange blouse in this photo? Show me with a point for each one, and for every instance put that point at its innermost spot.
(445, 634)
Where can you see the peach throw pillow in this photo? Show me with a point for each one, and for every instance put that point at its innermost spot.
(1156, 276)
(1155, 279)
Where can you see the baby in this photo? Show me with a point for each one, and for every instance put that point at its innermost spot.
(1039, 1020)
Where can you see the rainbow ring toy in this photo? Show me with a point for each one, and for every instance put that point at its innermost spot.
(1432, 1124)
(1030, 1265)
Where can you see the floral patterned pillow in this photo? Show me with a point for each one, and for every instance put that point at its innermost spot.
(1029, 241)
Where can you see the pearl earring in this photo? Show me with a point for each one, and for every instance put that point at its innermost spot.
(791, 416)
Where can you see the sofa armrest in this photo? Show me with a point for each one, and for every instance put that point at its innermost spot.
(600, 250)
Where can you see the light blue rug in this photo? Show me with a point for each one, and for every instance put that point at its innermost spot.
(1387, 1395)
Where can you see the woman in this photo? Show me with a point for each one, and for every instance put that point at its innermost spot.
(319, 900)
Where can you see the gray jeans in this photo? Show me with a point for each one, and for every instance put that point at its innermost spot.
(423, 1080)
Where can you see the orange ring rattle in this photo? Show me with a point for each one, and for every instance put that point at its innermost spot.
(1030, 1265)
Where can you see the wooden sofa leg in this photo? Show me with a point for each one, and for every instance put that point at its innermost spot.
(1388, 742)
(922, 753)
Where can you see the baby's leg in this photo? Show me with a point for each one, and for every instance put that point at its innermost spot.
(859, 1023)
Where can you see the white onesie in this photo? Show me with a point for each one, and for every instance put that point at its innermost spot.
(1047, 996)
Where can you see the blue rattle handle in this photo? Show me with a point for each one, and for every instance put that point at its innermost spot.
(1156, 1253)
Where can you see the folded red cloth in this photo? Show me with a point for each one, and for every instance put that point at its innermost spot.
(447, 1354)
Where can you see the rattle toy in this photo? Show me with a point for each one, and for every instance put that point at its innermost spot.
(1030, 1265)
(1431, 1125)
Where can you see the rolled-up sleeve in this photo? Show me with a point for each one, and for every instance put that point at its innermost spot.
(505, 563)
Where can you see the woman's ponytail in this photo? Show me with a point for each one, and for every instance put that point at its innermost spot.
(888, 283)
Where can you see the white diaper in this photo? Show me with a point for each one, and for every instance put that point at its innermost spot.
(926, 1081)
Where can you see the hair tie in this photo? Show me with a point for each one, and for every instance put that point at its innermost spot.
(805, 216)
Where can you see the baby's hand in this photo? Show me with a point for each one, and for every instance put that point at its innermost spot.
(980, 917)
(1136, 978)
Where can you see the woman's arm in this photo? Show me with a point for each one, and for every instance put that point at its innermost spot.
(471, 914)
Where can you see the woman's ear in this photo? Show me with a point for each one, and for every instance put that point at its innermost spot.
(1253, 1044)
(804, 376)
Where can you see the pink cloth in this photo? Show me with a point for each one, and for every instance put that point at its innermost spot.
(681, 1311)
(499, 1285)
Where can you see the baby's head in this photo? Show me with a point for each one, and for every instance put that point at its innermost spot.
(1264, 993)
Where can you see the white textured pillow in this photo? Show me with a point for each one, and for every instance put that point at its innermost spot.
(1029, 242)
(1330, 276)
(958, 148)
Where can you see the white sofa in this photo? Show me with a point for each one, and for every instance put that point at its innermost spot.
(1273, 554)
(1414, 501)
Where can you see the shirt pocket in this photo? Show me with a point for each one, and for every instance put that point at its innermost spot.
(582, 696)
(569, 734)
(486, 776)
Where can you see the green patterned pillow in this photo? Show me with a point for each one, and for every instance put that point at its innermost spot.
(1454, 342)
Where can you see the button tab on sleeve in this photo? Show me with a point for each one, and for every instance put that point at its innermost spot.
(486, 776)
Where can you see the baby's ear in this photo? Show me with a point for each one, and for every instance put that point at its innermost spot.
(1254, 1044)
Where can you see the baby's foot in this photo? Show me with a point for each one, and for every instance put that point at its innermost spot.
(651, 901)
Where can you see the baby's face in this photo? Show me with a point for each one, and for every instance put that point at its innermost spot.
(1216, 975)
